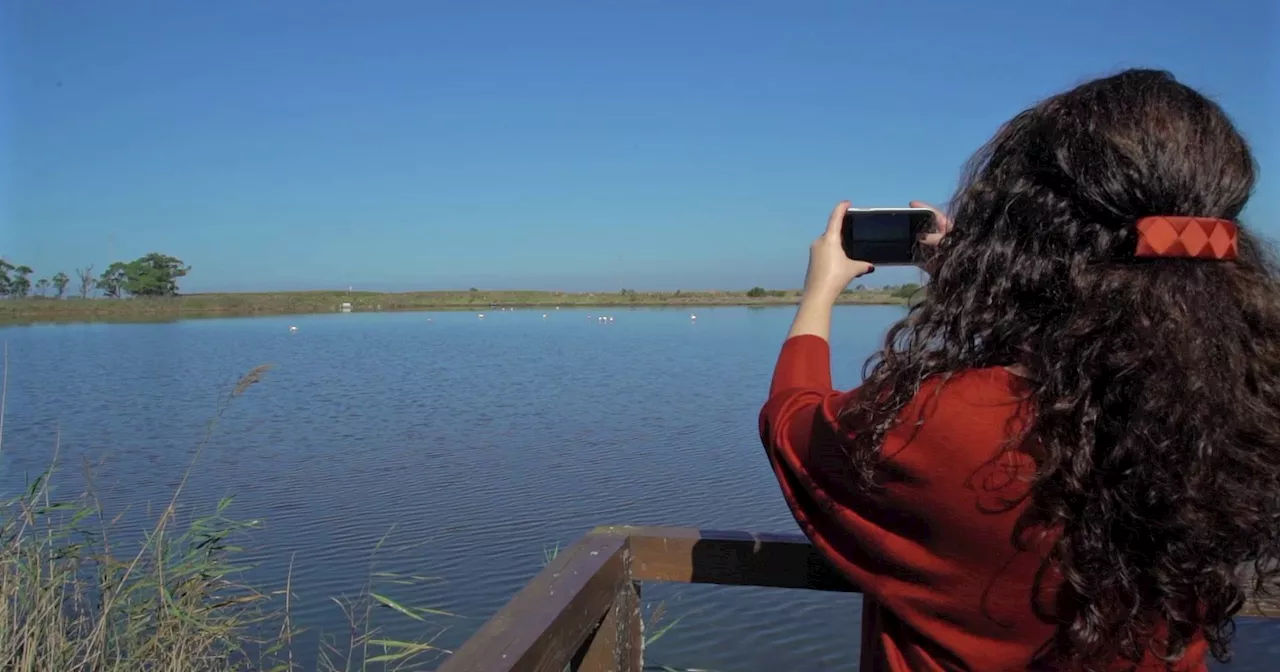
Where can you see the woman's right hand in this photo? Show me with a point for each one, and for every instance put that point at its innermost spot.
(930, 241)
(830, 269)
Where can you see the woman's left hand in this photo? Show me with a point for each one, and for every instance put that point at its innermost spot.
(930, 241)
(830, 270)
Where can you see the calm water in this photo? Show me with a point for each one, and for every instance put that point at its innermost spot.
(475, 446)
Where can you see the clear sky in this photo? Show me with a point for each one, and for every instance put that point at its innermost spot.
(651, 144)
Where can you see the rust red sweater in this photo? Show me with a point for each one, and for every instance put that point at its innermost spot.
(933, 544)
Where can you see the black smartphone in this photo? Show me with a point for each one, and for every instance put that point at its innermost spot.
(886, 236)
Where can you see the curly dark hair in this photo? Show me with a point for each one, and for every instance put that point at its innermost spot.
(1153, 384)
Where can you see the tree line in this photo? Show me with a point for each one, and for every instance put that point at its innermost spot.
(153, 274)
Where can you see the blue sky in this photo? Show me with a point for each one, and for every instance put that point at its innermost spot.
(562, 145)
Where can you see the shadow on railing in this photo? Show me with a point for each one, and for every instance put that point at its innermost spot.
(583, 610)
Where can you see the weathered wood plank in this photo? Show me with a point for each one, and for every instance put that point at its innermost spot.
(542, 628)
(690, 555)
(686, 555)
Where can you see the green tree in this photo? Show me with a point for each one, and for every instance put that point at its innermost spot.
(112, 280)
(757, 292)
(60, 282)
(20, 284)
(6, 283)
(154, 275)
(42, 286)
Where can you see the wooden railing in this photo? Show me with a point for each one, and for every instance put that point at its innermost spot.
(583, 610)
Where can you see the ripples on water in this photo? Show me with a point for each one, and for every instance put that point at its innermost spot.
(479, 445)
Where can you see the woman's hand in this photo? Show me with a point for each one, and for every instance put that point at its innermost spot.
(830, 270)
(929, 242)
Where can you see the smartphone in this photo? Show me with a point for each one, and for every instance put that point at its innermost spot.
(886, 236)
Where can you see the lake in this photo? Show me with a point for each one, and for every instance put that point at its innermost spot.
(476, 447)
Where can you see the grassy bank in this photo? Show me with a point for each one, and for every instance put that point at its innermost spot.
(28, 310)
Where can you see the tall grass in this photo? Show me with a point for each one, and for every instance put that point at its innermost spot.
(82, 592)
(78, 593)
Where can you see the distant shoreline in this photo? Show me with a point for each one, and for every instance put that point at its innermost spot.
(248, 304)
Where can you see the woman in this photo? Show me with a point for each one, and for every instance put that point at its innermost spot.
(1067, 455)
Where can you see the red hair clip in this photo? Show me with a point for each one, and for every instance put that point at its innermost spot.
(1186, 238)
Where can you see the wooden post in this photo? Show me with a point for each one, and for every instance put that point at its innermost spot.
(545, 625)
(618, 644)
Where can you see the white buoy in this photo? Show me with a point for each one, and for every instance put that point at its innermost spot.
(610, 319)
(292, 328)
(481, 316)
(693, 317)
(544, 316)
